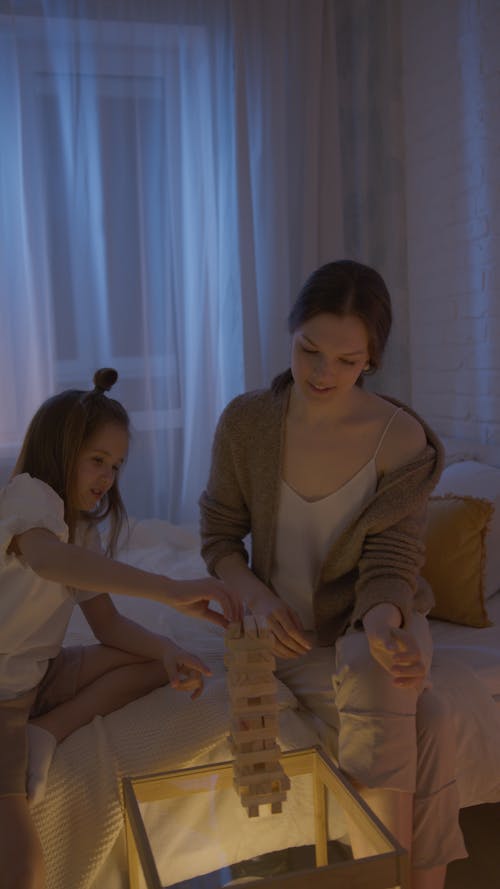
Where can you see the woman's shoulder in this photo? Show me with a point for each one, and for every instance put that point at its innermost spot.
(406, 436)
(250, 407)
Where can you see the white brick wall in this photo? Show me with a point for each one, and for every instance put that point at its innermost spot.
(451, 79)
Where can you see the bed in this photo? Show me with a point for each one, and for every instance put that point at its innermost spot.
(81, 818)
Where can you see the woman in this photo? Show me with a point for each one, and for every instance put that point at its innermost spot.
(332, 482)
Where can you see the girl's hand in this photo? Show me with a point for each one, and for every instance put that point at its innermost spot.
(290, 640)
(395, 649)
(185, 671)
(193, 597)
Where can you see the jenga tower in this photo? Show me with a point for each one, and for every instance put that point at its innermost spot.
(258, 775)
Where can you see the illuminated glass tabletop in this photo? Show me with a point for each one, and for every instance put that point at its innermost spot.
(188, 828)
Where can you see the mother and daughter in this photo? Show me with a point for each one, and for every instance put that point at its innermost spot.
(331, 481)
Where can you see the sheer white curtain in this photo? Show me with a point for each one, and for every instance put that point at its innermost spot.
(169, 173)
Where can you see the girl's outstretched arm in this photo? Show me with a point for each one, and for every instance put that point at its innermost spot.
(85, 569)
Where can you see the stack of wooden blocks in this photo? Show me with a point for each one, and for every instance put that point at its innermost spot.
(258, 775)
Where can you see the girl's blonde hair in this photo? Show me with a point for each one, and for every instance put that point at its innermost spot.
(55, 437)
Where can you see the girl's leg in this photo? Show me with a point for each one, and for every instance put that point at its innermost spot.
(20, 850)
(108, 679)
(93, 681)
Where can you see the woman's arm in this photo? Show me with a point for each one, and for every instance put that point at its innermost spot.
(392, 557)
(85, 569)
(283, 621)
(183, 670)
(391, 563)
(226, 520)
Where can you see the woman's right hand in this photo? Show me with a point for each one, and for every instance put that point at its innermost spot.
(290, 639)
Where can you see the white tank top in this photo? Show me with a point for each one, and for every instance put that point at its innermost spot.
(306, 530)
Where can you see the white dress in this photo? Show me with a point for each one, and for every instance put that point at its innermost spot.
(306, 529)
(34, 612)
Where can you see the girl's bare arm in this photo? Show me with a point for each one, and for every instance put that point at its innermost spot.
(85, 569)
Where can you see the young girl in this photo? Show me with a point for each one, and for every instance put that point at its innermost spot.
(64, 482)
(332, 481)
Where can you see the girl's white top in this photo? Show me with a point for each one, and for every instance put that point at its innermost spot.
(306, 529)
(34, 612)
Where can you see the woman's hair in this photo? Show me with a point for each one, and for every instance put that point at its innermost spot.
(58, 431)
(343, 288)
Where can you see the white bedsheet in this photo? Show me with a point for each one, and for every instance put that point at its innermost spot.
(80, 821)
(478, 648)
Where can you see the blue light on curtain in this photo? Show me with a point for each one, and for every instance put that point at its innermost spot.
(161, 203)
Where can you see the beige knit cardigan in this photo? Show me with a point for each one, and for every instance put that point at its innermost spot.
(378, 556)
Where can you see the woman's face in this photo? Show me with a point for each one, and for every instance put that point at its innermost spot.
(328, 354)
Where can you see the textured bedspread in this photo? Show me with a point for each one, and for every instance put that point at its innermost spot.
(81, 819)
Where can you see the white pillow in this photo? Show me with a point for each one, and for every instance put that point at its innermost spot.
(476, 479)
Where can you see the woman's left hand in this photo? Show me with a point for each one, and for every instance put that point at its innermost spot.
(185, 671)
(395, 649)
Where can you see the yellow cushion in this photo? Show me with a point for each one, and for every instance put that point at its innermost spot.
(456, 558)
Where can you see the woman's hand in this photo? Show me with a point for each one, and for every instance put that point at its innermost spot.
(290, 639)
(395, 649)
(193, 597)
(185, 671)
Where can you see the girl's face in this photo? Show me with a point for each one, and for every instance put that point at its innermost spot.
(98, 463)
(328, 354)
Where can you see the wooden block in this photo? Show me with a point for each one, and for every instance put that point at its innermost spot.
(249, 686)
(250, 729)
(259, 799)
(238, 646)
(257, 773)
(245, 736)
(249, 778)
(262, 657)
(251, 717)
(269, 754)
(252, 689)
(251, 749)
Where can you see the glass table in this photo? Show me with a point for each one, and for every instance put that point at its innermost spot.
(277, 860)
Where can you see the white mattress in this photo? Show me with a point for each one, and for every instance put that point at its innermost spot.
(479, 649)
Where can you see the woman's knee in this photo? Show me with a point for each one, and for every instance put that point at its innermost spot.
(361, 684)
(377, 739)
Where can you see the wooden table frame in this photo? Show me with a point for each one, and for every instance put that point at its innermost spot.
(387, 868)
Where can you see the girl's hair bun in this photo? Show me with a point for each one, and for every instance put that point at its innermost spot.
(104, 379)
